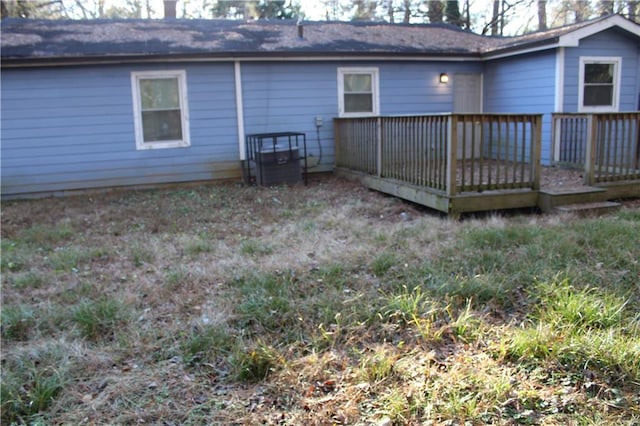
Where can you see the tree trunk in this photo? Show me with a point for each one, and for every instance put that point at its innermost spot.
(365, 10)
(452, 13)
(467, 15)
(407, 11)
(581, 10)
(435, 11)
(605, 7)
(495, 17)
(542, 15)
(633, 10)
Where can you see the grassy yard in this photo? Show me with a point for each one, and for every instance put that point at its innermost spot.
(326, 304)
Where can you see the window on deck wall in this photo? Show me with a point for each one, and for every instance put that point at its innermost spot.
(358, 92)
(599, 84)
(160, 109)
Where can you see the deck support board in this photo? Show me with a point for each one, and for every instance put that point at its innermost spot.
(439, 200)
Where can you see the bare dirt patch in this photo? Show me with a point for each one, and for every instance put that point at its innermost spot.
(561, 179)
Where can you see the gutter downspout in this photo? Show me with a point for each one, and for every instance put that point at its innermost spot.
(559, 92)
(239, 109)
(558, 105)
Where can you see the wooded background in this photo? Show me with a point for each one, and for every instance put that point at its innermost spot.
(491, 17)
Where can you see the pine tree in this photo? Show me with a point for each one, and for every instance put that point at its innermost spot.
(452, 13)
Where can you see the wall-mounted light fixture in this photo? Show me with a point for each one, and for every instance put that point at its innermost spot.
(444, 78)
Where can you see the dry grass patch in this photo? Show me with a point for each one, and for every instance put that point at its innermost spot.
(324, 304)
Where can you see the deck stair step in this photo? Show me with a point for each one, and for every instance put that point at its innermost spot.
(575, 196)
(589, 209)
(549, 200)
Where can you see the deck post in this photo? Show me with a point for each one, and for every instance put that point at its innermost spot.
(452, 154)
(590, 151)
(555, 137)
(379, 146)
(336, 141)
(637, 162)
(536, 150)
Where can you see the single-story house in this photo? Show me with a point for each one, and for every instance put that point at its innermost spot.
(110, 103)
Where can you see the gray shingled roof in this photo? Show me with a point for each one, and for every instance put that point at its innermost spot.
(29, 40)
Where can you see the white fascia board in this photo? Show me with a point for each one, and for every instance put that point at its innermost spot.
(573, 38)
(517, 51)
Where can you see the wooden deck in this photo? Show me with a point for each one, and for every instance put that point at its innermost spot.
(458, 163)
(559, 187)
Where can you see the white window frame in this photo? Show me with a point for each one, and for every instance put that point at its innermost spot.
(375, 89)
(615, 98)
(181, 75)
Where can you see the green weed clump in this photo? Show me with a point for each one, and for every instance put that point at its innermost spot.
(65, 259)
(266, 303)
(408, 306)
(580, 329)
(256, 363)
(383, 263)
(18, 322)
(197, 246)
(579, 309)
(481, 288)
(255, 248)
(47, 235)
(29, 280)
(13, 259)
(465, 324)
(140, 254)
(333, 276)
(492, 264)
(176, 278)
(206, 344)
(31, 382)
(378, 365)
(101, 319)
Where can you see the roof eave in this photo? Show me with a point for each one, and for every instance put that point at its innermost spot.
(522, 49)
(572, 39)
(293, 56)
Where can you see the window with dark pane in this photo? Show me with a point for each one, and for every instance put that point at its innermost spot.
(598, 84)
(358, 93)
(161, 114)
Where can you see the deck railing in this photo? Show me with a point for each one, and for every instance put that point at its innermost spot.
(606, 145)
(452, 153)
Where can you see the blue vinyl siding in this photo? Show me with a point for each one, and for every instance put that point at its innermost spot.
(609, 43)
(414, 88)
(279, 97)
(72, 128)
(523, 84)
(283, 97)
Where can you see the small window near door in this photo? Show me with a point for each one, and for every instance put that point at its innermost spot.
(358, 92)
(599, 84)
(160, 109)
